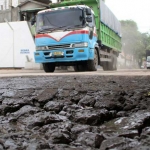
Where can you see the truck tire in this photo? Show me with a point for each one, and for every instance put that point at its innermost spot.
(76, 68)
(81, 67)
(113, 64)
(48, 67)
(105, 66)
(92, 64)
(116, 64)
(110, 66)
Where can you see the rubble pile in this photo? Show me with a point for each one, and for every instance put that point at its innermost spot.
(75, 113)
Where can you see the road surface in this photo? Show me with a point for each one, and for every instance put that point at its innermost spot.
(121, 72)
(66, 110)
(75, 111)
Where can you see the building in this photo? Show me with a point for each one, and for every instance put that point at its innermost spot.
(14, 51)
(29, 8)
(20, 10)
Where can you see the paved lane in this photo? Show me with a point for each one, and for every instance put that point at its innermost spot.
(121, 72)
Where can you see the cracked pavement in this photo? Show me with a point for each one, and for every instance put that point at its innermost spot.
(75, 113)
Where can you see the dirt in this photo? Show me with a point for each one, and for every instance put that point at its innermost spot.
(75, 113)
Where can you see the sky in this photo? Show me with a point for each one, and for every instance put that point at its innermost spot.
(136, 10)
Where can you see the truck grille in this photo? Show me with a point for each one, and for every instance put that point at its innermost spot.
(64, 46)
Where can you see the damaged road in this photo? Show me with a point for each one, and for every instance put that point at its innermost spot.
(75, 113)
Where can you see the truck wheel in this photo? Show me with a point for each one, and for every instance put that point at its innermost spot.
(81, 67)
(76, 68)
(105, 66)
(48, 67)
(113, 64)
(92, 64)
(116, 64)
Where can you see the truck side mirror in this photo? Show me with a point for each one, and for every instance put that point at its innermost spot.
(88, 11)
(89, 19)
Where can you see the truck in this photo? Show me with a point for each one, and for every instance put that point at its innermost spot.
(148, 59)
(79, 33)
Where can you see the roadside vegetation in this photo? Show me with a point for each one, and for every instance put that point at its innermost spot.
(134, 43)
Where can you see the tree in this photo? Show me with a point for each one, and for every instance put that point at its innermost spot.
(144, 44)
(133, 42)
(130, 36)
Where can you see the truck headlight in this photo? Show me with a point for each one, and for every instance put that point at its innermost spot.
(40, 48)
(81, 45)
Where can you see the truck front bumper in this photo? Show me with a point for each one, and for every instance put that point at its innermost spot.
(61, 55)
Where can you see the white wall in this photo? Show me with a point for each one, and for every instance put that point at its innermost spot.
(54, 1)
(14, 54)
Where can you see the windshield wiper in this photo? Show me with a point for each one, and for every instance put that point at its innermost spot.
(53, 29)
(50, 29)
(46, 29)
(73, 26)
(57, 28)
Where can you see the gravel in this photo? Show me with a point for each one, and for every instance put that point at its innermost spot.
(75, 113)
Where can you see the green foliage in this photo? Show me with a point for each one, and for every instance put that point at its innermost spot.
(133, 42)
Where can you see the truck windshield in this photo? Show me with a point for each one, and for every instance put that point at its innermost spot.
(60, 19)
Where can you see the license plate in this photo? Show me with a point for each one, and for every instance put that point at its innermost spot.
(59, 53)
